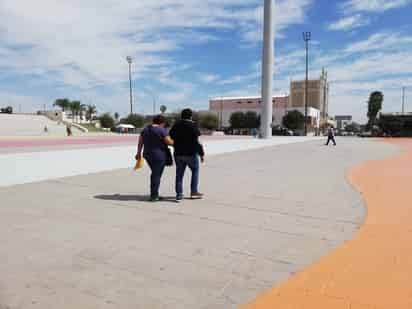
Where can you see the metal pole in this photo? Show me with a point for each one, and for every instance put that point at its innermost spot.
(267, 69)
(129, 60)
(403, 100)
(221, 113)
(306, 38)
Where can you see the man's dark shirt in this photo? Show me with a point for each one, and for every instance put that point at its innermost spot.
(185, 135)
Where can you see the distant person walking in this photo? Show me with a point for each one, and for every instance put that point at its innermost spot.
(154, 141)
(331, 136)
(187, 150)
(69, 130)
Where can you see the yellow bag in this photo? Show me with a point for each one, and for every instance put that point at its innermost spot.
(139, 164)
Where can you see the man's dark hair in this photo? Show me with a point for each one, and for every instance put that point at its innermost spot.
(187, 114)
(159, 119)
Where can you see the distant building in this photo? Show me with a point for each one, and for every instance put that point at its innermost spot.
(224, 107)
(318, 95)
(342, 121)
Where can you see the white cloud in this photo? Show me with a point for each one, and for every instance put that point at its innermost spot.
(209, 78)
(373, 5)
(349, 22)
(287, 12)
(380, 41)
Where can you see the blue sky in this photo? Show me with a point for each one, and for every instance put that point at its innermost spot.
(186, 51)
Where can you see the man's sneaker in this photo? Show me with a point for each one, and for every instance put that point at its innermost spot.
(196, 195)
(179, 198)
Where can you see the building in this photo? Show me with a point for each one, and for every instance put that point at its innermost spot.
(224, 107)
(342, 121)
(318, 95)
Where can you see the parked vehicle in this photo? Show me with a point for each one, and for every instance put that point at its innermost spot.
(7, 110)
(281, 131)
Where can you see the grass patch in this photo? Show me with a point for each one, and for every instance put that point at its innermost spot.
(92, 128)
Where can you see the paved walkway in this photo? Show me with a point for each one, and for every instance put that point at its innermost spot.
(94, 156)
(94, 242)
(374, 269)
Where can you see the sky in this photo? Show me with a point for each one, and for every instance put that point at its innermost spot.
(186, 51)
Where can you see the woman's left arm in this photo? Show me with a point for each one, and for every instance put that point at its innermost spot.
(168, 141)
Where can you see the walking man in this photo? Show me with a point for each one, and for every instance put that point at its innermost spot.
(187, 151)
(331, 136)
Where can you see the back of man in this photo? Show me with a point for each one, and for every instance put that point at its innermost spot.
(186, 134)
(187, 150)
(331, 132)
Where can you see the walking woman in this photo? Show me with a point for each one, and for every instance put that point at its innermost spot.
(154, 141)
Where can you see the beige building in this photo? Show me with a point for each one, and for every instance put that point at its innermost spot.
(224, 107)
(318, 95)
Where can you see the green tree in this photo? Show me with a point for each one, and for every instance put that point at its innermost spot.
(77, 109)
(116, 116)
(237, 120)
(374, 106)
(353, 127)
(64, 104)
(163, 109)
(90, 111)
(106, 121)
(294, 120)
(134, 119)
(251, 120)
(208, 121)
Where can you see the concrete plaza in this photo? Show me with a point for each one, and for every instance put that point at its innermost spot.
(93, 241)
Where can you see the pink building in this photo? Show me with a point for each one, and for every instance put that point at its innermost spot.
(224, 107)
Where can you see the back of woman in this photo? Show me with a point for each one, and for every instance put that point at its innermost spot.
(154, 145)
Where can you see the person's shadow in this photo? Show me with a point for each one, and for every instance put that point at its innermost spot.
(131, 198)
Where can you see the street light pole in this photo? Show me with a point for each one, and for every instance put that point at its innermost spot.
(306, 38)
(403, 100)
(267, 69)
(154, 105)
(129, 61)
(221, 113)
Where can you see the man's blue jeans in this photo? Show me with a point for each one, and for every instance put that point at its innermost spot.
(181, 163)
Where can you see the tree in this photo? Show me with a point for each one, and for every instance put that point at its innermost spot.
(353, 127)
(106, 121)
(116, 116)
(208, 121)
(90, 111)
(163, 109)
(374, 106)
(77, 109)
(134, 119)
(237, 120)
(251, 120)
(294, 120)
(64, 104)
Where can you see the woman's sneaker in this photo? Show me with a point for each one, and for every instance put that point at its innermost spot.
(179, 198)
(155, 198)
(196, 196)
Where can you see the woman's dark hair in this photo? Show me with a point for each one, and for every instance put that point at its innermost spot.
(187, 114)
(159, 119)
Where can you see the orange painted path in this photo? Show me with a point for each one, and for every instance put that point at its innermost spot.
(374, 269)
